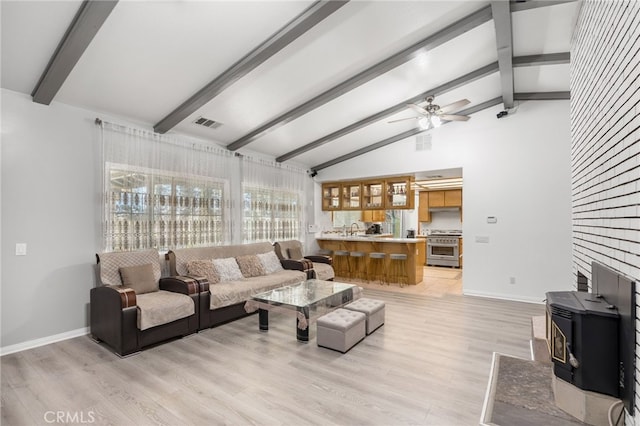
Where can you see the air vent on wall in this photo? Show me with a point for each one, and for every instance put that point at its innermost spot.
(206, 122)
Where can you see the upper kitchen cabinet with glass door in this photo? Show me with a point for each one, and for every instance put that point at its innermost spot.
(331, 196)
(351, 196)
(373, 195)
(399, 194)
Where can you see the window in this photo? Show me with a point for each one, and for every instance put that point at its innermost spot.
(270, 214)
(149, 209)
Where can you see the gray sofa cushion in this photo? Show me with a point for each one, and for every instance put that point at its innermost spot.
(140, 278)
(251, 266)
(231, 292)
(110, 264)
(162, 307)
(228, 269)
(203, 268)
(270, 262)
(323, 271)
(183, 256)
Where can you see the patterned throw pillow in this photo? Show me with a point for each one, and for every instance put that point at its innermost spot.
(228, 269)
(250, 266)
(270, 262)
(203, 268)
(140, 278)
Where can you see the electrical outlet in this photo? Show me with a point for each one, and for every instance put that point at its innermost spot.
(512, 280)
(482, 239)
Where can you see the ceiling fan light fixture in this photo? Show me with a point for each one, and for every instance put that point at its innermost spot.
(423, 123)
(435, 121)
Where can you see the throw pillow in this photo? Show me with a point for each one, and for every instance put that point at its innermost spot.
(139, 278)
(203, 268)
(228, 269)
(250, 266)
(295, 253)
(270, 262)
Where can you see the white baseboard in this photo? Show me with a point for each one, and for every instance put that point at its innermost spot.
(30, 344)
(503, 297)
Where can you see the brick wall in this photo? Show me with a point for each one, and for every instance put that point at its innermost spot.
(605, 144)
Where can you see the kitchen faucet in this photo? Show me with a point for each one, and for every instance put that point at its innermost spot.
(351, 228)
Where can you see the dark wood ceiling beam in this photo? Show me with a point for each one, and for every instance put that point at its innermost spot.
(302, 23)
(542, 96)
(518, 61)
(453, 84)
(543, 59)
(401, 136)
(85, 25)
(504, 43)
(450, 32)
(518, 6)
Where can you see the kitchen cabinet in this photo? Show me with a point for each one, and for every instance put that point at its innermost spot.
(436, 198)
(373, 194)
(331, 196)
(351, 196)
(449, 198)
(460, 252)
(399, 193)
(453, 198)
(423, 207)
(431, 199)
(374, 215)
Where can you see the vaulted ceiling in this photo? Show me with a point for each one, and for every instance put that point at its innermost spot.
(312, 83)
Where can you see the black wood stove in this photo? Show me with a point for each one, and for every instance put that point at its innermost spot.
(582, 332)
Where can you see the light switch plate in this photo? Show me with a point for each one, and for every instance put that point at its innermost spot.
(21, 249)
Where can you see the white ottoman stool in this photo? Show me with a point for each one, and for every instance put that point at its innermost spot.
(341, 329)
(372, 308)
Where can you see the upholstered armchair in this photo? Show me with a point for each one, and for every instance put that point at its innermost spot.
(133, 307)
(292, 250)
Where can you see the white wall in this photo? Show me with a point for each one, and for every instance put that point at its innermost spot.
(516, 168)
(48, 202)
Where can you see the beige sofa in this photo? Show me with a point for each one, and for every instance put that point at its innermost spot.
(225, 299)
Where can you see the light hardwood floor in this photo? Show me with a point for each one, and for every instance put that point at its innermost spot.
(428, 365)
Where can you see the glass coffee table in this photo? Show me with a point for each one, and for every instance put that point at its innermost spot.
(307, 300)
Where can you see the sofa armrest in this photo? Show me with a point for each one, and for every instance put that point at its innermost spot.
(116, 297)
(184, 284)
(298, 265)
(319, 258)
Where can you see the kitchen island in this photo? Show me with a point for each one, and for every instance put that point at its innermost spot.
(414, 248)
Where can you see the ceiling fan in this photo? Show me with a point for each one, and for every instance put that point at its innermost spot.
(432, 115)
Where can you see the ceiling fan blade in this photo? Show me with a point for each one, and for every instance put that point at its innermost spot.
(403, 119)
(449, 117)
(418, 109)
(454, 106)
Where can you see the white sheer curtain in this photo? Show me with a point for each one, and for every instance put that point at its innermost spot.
(273, 201)
(163, 191)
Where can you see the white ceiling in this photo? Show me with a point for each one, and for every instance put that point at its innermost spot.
(150, 56)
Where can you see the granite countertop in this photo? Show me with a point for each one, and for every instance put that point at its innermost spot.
(376, 239)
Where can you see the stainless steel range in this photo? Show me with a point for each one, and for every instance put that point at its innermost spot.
(443, 248)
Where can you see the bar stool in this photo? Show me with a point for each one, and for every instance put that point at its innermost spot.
(376, 267)
(358, 265)
(341, 263)
(398, 269)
